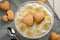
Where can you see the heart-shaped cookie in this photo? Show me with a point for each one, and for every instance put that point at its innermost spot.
(5, 5)
(28, 20)
(38, 17)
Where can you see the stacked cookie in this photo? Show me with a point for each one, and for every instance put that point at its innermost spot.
(9, 16)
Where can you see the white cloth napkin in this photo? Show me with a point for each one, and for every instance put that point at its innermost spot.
(1, 0)
(56, 6)
(51, 2)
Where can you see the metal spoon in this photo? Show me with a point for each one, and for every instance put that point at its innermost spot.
(11, 33)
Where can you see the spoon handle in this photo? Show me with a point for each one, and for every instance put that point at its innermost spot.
(15, 38)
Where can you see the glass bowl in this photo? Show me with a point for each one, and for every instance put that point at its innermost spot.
(46, 8)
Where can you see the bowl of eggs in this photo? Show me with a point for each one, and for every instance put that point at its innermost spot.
(33, 19)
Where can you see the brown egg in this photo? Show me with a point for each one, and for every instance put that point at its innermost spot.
(28, 20)
(4, 18)
(10, 14)
(5, 5)
(38, 17)
(53, 36)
